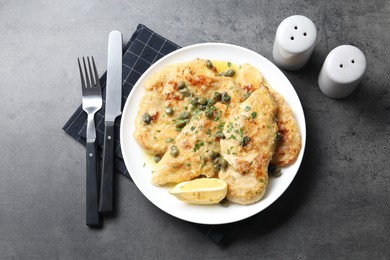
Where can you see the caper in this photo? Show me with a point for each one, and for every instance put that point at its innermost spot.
(273, 170)
(217, 96)
(202, 107)
(223, 163)
(212, 155)
(276, 173)
(211, 102)
(168, 110)
(156, 158)
(209, 113)
(181, 85)
(184, 114)
(244, 141)
(181, 123)
(271, 167)
(219, 135)
(184, 91)
(229, 73)
(225, 98)
(194, 101)
(202, 101)
(146, 118)
(209, 64)
(216, 167)
(174, 151)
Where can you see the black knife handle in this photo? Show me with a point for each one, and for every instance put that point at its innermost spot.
(93, 218)
(107, 182)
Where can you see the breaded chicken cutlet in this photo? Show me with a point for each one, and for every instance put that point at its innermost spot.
(205, 122)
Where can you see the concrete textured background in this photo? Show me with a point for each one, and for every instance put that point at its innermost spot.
(336, 208)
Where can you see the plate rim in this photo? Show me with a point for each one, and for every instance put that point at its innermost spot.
(302, 127)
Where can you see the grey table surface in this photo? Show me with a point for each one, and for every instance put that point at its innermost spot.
(336, 208)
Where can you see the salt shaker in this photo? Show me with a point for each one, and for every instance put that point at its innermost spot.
(294, 42)
(342, 71)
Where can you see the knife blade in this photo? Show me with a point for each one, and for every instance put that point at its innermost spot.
(113, 110)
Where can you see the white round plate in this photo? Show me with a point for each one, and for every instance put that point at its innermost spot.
(137, 163)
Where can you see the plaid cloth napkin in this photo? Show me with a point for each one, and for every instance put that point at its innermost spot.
(143, 49)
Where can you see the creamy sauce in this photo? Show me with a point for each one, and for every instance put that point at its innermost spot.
(149, 160)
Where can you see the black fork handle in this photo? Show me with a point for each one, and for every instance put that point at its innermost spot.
(93, 217)
(107, 176)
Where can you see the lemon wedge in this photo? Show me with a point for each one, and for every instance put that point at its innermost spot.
(200, 191)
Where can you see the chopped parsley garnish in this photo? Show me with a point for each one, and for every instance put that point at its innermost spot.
(233, 137)
(197, 146)
(230, 127)
(247, 108)
(220, 126)
(229, 64)
(241, 132)
(254, 114)
(169, 140)
(196, 114)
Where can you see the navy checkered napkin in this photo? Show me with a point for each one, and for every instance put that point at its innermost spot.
(143, 49)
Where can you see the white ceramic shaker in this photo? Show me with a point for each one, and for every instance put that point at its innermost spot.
(342, 71)
(294, 43)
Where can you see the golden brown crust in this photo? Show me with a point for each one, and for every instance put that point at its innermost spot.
(194, 142)
(289, 145)
(247, 175)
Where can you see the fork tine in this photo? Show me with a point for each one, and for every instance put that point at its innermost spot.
(95, 72)
(86, 74)
(81, 75)
(91, 74)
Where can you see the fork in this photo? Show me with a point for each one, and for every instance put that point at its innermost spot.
(92, 102)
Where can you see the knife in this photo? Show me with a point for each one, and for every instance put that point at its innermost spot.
(113, 109)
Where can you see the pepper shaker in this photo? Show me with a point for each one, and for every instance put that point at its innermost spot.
(342, 71)
(294, 43)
